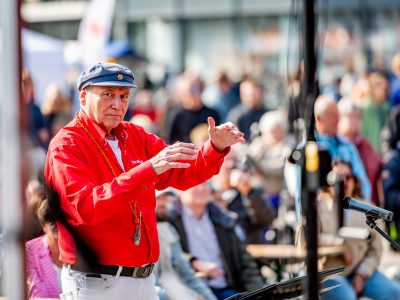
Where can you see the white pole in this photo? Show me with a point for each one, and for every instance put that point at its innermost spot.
(10, 153)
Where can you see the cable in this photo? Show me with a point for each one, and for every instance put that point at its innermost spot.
(325, 17)
(321, 25)
(288, 73)
(294, 27)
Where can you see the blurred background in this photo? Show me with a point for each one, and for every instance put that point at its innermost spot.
(234, 36)
(237, 60)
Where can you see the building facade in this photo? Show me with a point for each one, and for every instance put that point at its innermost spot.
(238, 36)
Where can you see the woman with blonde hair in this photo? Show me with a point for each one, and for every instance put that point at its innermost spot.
(53, 105)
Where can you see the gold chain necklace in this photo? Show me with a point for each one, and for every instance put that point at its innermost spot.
(137, 219)
(97, 145)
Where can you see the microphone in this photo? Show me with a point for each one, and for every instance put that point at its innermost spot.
(368, 209)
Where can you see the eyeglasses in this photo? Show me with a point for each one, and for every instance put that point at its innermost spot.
(347, 176)
(195, 90)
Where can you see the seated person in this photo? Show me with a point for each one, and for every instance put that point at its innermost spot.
(235, 191)
(269, 152)
(208, 233)
(42, 258)
(175, 277)
(361, 257)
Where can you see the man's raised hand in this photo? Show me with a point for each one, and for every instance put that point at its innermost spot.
(224, 135)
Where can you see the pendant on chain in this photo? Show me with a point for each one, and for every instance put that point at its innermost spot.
(136, 238)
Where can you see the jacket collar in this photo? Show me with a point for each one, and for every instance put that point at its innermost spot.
(322, 137)
(93, 127)
(330, 139)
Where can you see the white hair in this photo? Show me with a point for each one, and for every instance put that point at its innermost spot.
(346, 107)
(271, 119)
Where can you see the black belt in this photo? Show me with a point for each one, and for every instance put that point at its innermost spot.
(135, 272)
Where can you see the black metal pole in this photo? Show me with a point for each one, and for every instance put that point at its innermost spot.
(309, 81)
(309, 188)
(339, 191)
(310, 185)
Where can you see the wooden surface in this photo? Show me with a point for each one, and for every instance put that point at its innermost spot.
(288, 252)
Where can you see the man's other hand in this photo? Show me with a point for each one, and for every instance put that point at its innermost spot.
(172, 156)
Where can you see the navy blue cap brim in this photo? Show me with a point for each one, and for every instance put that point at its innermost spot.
(114, 83)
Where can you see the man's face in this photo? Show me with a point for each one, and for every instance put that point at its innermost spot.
(162, 204)
(350, 124)
(345, 172)
(379, 89)
(250, 94)
(327, 123)
(105, 105)
(197, 196)
(191, 98)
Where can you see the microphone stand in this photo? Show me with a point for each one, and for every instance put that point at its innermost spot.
(339, 192)
(371, 223)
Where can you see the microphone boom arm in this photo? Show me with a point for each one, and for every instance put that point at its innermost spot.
(374, 215)
(371, 223)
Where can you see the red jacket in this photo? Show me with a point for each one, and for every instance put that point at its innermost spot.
(98, 206)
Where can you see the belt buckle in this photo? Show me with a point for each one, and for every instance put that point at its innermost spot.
(143, 272)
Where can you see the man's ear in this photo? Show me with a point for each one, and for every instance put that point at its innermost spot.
(317, 122)
(82, 97)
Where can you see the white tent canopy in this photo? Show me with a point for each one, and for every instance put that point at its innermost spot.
(44, 57)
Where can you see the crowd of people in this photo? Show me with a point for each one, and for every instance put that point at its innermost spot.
(204, 227)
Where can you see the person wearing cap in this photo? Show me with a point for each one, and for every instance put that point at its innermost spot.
(105, 172)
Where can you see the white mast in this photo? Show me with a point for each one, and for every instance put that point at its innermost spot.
(12, 276)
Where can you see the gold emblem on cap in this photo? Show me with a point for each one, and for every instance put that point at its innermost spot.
(120, 76)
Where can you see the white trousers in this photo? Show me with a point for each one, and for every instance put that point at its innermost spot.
(79, 286)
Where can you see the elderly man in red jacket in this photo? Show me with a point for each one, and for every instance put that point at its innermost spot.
(105, 172)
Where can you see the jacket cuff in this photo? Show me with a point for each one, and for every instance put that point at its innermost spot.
(147, 174)
(364, 271)
(225, 151)
(211, 150)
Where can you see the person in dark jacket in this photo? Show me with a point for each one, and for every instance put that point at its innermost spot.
(391, 132)
(208, 233)
(192, 111)
(251, 107)
(391, 189)
(36, 125)
(234, 188)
